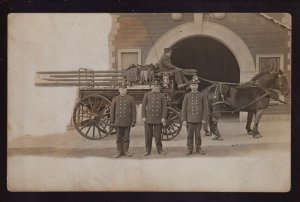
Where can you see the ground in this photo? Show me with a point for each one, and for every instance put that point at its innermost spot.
(69, 162)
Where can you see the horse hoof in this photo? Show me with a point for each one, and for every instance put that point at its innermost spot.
(257, 136)
(207, 133)
(252, 132)
(217, 138)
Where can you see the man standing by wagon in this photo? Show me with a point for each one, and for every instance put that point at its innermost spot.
(154, 112)
(194, 112)
(166, 65)
(123, 117)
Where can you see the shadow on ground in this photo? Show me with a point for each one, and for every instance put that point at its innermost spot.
(172, 152)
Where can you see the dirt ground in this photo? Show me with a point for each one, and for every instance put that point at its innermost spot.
(69, 162)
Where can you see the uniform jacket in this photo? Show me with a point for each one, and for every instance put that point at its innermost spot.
(165, 63)
(123, 110)
(154, 107)
(194, 107)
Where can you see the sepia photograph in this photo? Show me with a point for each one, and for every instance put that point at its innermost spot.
(149, 102)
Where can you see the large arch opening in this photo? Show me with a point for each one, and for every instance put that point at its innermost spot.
(213, 60)
(214, 31)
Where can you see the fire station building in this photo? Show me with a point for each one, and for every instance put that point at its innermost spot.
(229, 47)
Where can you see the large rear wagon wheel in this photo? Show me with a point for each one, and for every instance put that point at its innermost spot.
(91, 117)
(173, 124)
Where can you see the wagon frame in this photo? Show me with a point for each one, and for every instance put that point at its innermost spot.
(91, 114)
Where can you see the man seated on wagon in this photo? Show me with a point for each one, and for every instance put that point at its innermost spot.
(166, 65)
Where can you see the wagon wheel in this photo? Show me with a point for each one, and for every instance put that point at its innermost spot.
(91, 117)
(173, 124)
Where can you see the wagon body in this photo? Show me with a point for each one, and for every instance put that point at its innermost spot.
(91, 115)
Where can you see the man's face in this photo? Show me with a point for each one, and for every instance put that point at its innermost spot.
(155, 88)
(123, 91)
(194, 87)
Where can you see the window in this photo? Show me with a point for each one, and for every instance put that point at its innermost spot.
(126, 57)
(269, 62)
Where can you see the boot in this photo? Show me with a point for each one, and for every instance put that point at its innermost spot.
(201, 152)
(162, 152)
(118, 155)
(127, 154)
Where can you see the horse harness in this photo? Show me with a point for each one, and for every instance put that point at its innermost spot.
(219, 86)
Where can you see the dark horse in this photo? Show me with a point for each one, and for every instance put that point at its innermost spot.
(252, 97)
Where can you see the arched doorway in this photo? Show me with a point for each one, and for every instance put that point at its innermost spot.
(212, 59)
(214, 31)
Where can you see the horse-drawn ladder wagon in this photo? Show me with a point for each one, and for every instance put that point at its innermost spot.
(91, 115)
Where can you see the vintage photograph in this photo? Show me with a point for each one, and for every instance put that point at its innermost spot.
(167, 102)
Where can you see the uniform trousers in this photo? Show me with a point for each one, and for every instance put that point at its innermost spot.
(150, 131)
(193, 131)
(122, 138)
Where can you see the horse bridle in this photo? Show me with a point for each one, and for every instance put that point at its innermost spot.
(280, 83)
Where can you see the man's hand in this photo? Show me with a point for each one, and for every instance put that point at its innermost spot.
(203, 121)
(184, 123)
(133, 124)
(163, 121)
(112, 124)
(144, 119)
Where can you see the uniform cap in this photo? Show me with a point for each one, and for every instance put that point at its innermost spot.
(123, 85)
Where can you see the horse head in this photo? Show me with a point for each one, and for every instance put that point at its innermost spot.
(281, 83)
(275, 79)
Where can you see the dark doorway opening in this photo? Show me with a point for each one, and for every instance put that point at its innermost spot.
(213, 60)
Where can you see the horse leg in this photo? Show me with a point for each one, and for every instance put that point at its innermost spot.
(255, 132)
(249, 121)
(216, 132)
(205, 126)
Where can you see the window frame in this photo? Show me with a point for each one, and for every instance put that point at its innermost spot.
(281, 65)
(258, 56)
(129, 50)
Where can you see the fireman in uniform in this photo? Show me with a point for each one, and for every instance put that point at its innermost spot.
(194, 112)
(123, 117)
(166, 65)
(154, 112)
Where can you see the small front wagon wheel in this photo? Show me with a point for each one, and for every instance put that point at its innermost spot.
(91, 117)
(173, 124)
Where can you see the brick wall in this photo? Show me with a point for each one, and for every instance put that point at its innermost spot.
(143, 30)
(261, 35)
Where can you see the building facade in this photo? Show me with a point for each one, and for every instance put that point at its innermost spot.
(230, 47)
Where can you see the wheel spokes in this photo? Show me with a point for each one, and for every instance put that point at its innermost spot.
(91, 117)
(173, 125)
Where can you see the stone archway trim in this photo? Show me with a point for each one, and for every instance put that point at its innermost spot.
(209, 29)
